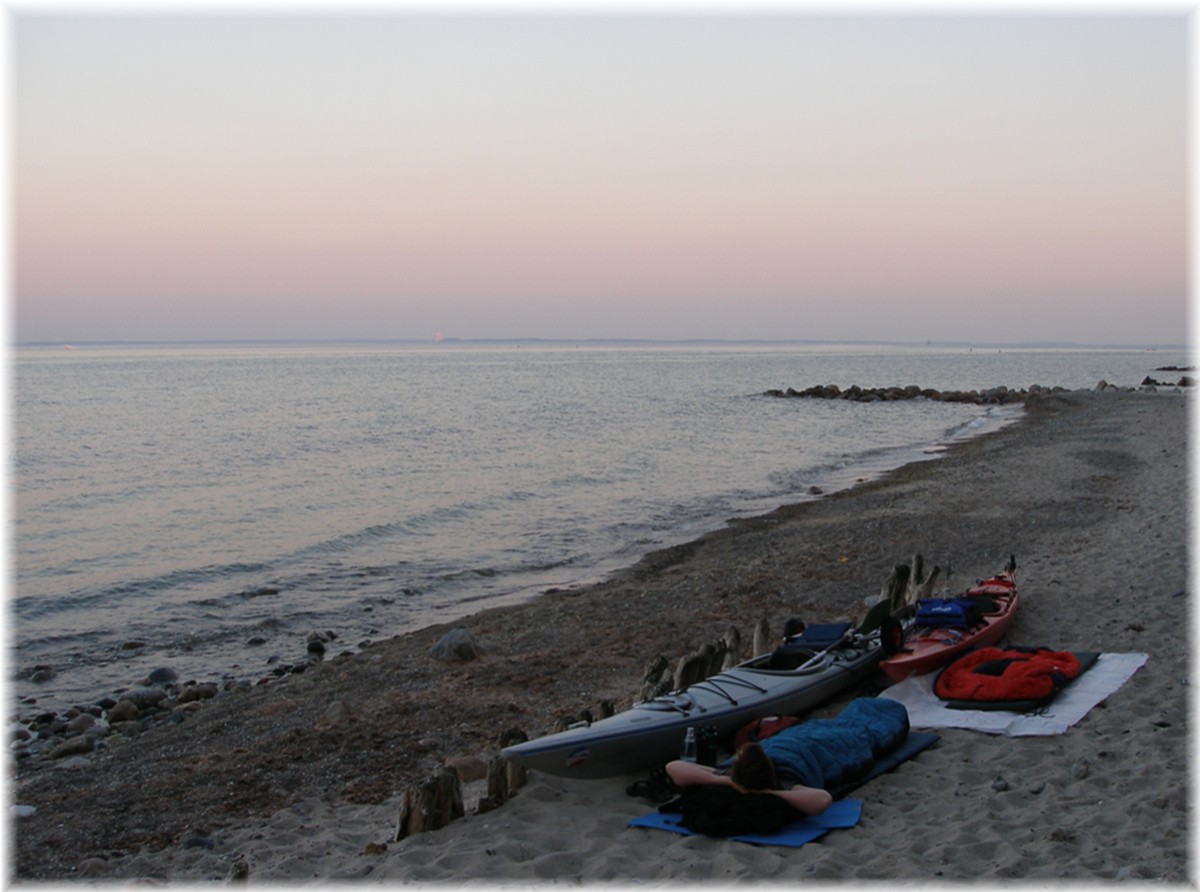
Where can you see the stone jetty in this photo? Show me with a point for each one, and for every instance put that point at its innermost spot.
(991, 396)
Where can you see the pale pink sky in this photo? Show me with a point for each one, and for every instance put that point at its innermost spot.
(983, 178)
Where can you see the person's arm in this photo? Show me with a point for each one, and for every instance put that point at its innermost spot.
(687, 774)
(809, 800)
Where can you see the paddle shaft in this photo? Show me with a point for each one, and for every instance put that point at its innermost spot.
(818, 656)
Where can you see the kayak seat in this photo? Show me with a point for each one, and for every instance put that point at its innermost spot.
(820, 635)
(788, 656)
(986, 605)
(799, 649)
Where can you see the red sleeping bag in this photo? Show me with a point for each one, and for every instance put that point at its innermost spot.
(992, 674)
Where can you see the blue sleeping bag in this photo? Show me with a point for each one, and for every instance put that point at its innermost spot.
(831, 753)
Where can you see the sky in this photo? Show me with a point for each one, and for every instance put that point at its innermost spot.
(667, 173)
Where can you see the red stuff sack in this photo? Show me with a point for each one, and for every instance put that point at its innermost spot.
(761, 729)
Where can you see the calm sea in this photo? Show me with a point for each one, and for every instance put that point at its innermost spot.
(196, 498)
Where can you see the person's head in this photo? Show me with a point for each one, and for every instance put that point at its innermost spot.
(752, 768)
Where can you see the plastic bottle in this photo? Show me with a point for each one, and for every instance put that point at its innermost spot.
(707, 749)
(688, 754)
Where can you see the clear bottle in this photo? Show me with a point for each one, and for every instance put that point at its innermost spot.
(688, 754)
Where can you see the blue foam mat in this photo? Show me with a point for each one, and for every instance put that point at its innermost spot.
(841, 813)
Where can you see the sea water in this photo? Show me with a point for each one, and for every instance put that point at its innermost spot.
(207, 507)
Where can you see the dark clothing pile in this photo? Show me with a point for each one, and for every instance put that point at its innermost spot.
(717, 810)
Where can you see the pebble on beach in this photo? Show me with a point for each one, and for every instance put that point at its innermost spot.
(70, 738)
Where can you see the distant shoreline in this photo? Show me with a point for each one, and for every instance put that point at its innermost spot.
(593, 342)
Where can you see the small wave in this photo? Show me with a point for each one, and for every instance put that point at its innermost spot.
(375, 572)
(494, 573)
(63, 640)
(30, 607)
(994, 418)
(507, 574)
(967, 427)
(350, 541)
(426, 524)
(262, 591)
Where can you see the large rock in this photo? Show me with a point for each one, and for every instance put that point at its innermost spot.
(124, 711)
(75, 746)
(80, 723)
(197, 692)
(455, 645)
(144, 697)
(163, 675)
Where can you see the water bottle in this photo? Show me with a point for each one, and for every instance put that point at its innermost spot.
(688, 754)
(707, 748)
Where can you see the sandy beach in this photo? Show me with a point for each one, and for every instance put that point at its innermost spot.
(301, 780)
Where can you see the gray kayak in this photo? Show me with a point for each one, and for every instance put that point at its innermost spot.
(651, 733)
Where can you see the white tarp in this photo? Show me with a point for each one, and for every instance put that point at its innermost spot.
(925, 710)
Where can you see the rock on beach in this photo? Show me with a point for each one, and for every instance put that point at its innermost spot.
(456, 644)
(143, 697)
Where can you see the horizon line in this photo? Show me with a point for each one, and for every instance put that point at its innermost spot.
(443, 341)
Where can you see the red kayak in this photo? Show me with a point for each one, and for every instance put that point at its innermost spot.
(945, 629)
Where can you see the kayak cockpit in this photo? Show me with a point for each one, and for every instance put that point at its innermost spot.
(790, 661)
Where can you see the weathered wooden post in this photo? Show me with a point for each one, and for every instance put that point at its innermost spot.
(733, 648)
(504, 777)
(652, 679)
(430, 805)
(762, 638)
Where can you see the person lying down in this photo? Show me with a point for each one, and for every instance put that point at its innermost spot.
(751, 771)
(804, 766)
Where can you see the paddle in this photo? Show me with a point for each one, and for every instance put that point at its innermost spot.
(875, 617)
(822, 653)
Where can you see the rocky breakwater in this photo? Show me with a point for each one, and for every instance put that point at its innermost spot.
(1184, 381)
(991, 396)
